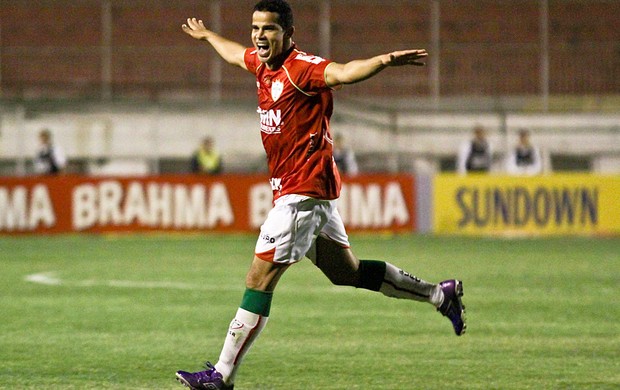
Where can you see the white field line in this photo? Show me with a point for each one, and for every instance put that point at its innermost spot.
(51, 279)
(43, 278)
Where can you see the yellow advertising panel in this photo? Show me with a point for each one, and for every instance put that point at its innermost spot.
(542, 205)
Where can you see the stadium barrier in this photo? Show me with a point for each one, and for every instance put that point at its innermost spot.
(560, 204)
(184, 203)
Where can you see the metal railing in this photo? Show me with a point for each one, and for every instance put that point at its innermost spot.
(155, 138)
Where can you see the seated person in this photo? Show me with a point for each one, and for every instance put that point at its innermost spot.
(206, 159)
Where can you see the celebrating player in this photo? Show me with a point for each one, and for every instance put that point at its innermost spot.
(295, 106)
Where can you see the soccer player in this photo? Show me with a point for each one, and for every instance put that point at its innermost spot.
(295, 105)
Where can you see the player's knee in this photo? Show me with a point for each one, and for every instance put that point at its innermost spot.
(252, 281)
(340, 274)
(338, 263)
(264, 275)
(344, 280)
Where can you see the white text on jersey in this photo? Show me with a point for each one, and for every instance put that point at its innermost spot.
(270, 121)
(308, 58)
(276, 183)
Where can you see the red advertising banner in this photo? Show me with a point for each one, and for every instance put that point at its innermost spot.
(229, 203)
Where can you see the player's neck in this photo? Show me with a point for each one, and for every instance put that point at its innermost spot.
(279, 60)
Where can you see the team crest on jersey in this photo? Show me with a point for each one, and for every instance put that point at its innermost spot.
(277, 87)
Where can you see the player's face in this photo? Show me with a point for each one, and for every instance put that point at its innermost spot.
(268, 37)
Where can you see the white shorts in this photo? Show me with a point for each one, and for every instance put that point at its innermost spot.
(292, 226)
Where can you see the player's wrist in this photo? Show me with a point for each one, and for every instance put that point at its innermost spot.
(207, 35)
(386, 59)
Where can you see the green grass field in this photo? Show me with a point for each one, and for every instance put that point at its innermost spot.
(123, 312)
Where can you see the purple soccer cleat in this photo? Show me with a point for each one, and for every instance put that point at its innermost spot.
(452, 307)
(209, 379)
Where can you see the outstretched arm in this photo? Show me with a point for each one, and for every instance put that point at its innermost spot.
(358, 70)
(232, 52)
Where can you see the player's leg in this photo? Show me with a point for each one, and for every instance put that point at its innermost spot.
(342, 267)
(287, 234)
(333, 255)
(250, 319)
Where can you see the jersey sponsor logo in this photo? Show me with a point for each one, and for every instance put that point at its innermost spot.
(276, 183)
(270, 121)
(277, 87)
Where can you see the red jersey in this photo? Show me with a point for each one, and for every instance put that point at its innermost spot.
(295, 105)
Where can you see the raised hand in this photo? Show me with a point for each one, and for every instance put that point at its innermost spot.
(196, 29)
(405, 57)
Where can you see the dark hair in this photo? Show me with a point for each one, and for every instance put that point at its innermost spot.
(280, 7)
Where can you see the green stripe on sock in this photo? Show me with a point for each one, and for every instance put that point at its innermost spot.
(372, 273)
(258, 302)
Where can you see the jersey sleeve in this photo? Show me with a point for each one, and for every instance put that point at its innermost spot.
(250, 59)
(310, 72)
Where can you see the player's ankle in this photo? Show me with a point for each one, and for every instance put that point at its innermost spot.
(436, 297)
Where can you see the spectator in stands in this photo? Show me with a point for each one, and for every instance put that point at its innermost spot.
(524, 158)
(50, 158)
(344, 157)
(206, 159)
(476, 154)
